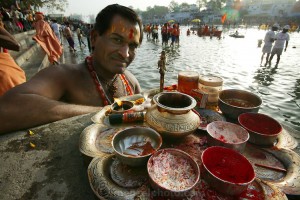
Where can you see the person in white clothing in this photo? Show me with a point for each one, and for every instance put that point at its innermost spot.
(55, 27)
(280, 39)
(268, 40)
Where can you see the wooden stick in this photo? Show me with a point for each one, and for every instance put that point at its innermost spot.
(270, 167)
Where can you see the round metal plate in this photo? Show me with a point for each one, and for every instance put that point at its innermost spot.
(289, 181)
(105, 187)
(95, 140)
(286, 138)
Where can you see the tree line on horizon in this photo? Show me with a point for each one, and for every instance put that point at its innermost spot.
(60, 5)
(157, 10)
(53, 5)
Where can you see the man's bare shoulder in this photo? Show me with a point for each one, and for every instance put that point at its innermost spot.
(52, 82)
(61, 72)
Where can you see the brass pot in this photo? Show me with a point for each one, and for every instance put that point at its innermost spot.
(172, 115)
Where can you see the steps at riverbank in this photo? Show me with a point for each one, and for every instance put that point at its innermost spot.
(31, 57)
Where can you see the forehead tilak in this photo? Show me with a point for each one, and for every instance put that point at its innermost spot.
(123, 28)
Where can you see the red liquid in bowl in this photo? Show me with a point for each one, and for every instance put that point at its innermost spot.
(228, 165)
(260, 123)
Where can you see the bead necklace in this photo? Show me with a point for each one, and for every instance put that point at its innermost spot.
(111, 88)
(129, 90)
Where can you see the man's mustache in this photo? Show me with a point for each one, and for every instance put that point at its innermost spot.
(120, 58)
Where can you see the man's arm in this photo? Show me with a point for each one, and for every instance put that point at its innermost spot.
(36, 102)
(8, 41)
(286, 45)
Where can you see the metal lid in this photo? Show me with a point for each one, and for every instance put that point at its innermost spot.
(213, 81)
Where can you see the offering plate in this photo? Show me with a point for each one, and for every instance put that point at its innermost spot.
(280, 167)
(287, 138)
(95, 140)
(133, 183)
(109, 183)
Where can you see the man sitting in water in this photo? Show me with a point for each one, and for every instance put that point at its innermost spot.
(64, 91)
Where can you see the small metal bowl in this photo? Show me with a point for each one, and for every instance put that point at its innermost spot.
(134, 145)
(233, 102)
(226, 170)
(228, 135)
(125, 106)
(172, 172)
(263, 129)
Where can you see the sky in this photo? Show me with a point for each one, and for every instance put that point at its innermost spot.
(88, 7)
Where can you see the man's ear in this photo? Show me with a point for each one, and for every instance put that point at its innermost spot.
(94, 35)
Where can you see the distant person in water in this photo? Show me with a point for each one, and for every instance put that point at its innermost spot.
(80, 36)
(69, 36)
(164, 34)
(268, 40)
(281, 42)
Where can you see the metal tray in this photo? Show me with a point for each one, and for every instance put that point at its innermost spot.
(108, 184)
(95, 142)
(289, 181)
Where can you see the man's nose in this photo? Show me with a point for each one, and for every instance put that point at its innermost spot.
(124, 51)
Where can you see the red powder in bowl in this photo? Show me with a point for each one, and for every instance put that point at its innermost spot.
(260, 123)
(228, 165)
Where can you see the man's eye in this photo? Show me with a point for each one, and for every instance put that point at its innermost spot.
(117, 40)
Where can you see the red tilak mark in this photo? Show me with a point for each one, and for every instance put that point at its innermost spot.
(131, 34)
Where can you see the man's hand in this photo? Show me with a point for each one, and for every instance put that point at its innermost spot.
(285, 50)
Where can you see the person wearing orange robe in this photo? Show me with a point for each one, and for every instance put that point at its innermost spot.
(47, 38)
(10, 73)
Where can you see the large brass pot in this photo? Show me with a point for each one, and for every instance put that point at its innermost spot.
(172, 115)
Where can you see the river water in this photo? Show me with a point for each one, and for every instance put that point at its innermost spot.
(237, 61)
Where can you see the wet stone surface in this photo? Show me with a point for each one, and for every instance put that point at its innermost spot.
(51, 168)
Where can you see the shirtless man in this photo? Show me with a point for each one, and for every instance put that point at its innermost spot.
(64, 91)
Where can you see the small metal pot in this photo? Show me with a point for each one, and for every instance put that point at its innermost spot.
(172, 115)
(245, 102)
(130, 142)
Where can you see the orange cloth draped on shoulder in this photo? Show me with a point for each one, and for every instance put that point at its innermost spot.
(10, 73)
(47, 39)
